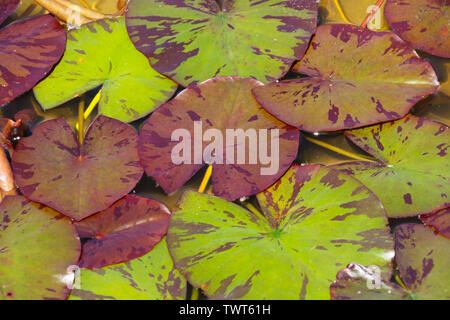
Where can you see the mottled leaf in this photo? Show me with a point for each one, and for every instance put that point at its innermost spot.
(318, 221)
(440, 221)
(151, 277)
(127, 230)
(423, 258)
(357, 282)
(222, 103)
(7, 7)
(28, 50)
(194, 40)
(51, 167)
(356, 77)
(37, 248)
(411, 175)
(100, 53)
(424, 24)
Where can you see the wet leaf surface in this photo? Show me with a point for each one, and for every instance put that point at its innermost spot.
(50, 167)
(423, 258)
(258, 39)
(37, 248)
(356, 77)
(100, 53)
(422, 23)
(357, 282)
(28, 51)
(412, 175)
(128, 229)
(222, 103)
(151, 277)
(440, 221)
(7, 7)
(313, 215)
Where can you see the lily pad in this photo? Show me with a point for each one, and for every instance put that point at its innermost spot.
(423, 258)
(422, 23)
(127, 230)
(411, 175)
(100, 53)
(151, 277)
(317, 221)
(221, 104)
(357, 77)
(51, 167)
(195, 40)
(28, 50)
(37, 247)
(357, 282)
(7, 7)
(440, 221)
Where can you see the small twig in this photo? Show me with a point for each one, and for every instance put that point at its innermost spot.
(90, 108)
(341, 12)
(372, 13)
(205, 180)
(81, 121)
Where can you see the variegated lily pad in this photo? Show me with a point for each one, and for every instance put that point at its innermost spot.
(425, 24)
(151, 277)
(38, 246)
(195, 40)
(423, 257)
(52, 168)
(28, 50)
(100, 53)
(440, 221)
(128, 229)
(411, 175)
(199, 126)
(316, 222)
(7, 7)
(356, 77)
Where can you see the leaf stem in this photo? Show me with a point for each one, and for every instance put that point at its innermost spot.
(205, 180)
(341, 12)
(339, 150)
(371, 14)
(80, 121)
(90, 108)
(7, 186)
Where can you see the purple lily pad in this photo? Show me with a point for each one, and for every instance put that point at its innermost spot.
(220, 103)
(52, 168)
(440, 221)
(127, 230)
(28, 51)
(357, 77)
(7, 7)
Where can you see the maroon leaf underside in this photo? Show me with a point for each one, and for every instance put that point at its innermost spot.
(28, 51)
(440, 221)
(221, 103)
(7, 7)
(357, 77)
(127, 230)
(50, 167)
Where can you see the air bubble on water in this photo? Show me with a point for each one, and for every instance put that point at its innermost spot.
(242, 199)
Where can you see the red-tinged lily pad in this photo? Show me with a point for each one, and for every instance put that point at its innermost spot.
(222, 104)
(316, 221)
(423, 259)
(52, 168)
(28, 50)
(440, 221)
(195, 40)
(356, 77)
(7, 7)
(38, 246)
(422, 23)
(127, 230)
(357, 282)
(411, 175)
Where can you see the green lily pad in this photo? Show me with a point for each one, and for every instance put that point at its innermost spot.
(52, 168)
(195, 40)
(151, 277)
(100, 53)
(440, 221)
(423, 259)
(37, 248)
(317, 221)
(357, 77)
(422, 23)
(411, 175)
